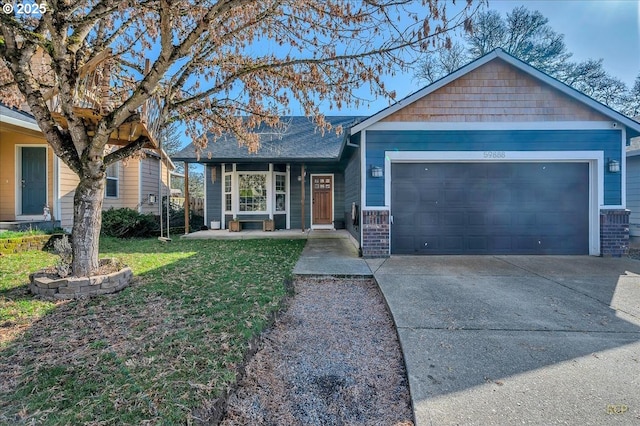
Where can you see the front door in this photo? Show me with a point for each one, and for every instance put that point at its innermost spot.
(322, 200)
(33, 180)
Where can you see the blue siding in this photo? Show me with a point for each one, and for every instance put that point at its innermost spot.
(352, 191)
(608, 141)
(214, 194)
(295, 185)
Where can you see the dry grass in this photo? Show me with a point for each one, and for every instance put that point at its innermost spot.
(332, 358)
(162, 351)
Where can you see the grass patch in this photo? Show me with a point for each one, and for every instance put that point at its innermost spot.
(20, 234)
(159, 352)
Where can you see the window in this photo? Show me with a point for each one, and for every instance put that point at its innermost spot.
(227, 193)
(253, 192)
(281, 192)
(112, 181)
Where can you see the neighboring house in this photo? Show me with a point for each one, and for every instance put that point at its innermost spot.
(495, 158)
(633, 184)
(32, 177)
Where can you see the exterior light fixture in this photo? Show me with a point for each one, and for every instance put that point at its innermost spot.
(614, 166)
(153, 199)
(376, 172)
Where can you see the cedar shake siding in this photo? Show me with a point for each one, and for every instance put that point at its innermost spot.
(496, 91)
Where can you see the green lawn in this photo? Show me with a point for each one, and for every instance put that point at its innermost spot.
(159, 352)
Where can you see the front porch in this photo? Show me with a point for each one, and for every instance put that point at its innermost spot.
(252, 234)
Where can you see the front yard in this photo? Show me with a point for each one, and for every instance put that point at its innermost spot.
(160, 352)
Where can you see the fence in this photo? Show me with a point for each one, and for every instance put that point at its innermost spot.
(196, 204)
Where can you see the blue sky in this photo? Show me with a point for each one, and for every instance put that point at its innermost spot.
(596, 29)
(607, 29)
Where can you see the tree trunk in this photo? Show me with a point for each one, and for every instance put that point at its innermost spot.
(87, 220)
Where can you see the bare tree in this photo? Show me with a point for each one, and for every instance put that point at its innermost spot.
(632, 103)
(527, 35)
(219, 66)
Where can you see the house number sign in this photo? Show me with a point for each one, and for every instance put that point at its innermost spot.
(494, 154)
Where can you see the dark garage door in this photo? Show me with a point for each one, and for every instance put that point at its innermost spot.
(490, 208)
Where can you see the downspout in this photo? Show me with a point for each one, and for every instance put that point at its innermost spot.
(302, 175)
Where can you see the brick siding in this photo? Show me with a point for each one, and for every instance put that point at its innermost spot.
(375, 233)
(614, 232)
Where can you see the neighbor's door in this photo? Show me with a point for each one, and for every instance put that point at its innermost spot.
(33, 180)
(322, 199)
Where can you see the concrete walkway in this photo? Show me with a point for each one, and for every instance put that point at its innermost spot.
(331, 253)
(327, 252)
(501, 340)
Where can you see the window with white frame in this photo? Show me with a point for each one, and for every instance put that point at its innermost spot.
(227, 193)
(111, 190)
(280, 192)
(252, 190)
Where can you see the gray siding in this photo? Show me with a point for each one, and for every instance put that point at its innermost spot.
(352, 190)
(633, 194)
(149, 176)
(214, 193)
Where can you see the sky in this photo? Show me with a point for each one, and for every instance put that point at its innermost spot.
(593, 29)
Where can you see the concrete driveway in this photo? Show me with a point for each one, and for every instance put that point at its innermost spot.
(499, 340)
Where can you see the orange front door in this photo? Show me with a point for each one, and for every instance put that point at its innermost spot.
(322, 199)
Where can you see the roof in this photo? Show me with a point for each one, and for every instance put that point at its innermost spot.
(18, 118)
(299, 140)
(633, 127)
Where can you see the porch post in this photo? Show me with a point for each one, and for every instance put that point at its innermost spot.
(186, 198)
(302, 194)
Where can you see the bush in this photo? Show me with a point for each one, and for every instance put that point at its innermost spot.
(128, 223)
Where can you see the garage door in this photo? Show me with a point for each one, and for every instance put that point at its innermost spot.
(490, 208)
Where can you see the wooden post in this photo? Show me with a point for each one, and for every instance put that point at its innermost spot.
(302, 195)
(186, 198)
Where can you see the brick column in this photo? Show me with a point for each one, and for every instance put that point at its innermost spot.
(614, 232)
(375, 233)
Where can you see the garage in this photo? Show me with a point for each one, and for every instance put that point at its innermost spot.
(490, 208)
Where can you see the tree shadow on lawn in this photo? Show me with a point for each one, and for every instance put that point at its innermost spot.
(161, 350)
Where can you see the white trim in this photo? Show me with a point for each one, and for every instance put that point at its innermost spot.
(498, 125)
(267, 182)
(594, 158)
(333, 206)
(223, 202)
(206, 216)
(522, 66)
(287, 197)
(270, 194)
(235, 201)
(623, 168)
(274, 193)
(18, 180)
(56, 189)
(363, 182)
(117, 178)
(19, 123)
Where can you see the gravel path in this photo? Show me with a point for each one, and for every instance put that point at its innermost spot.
(332, 359)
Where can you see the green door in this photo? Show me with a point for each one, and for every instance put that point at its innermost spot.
(34, 180)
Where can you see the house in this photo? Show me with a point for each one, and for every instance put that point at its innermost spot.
(32, 177)
(633, 184)
(495, 158)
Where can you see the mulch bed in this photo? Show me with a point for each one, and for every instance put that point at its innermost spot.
(332, 358)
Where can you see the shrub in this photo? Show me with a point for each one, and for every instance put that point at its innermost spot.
(128, 223)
